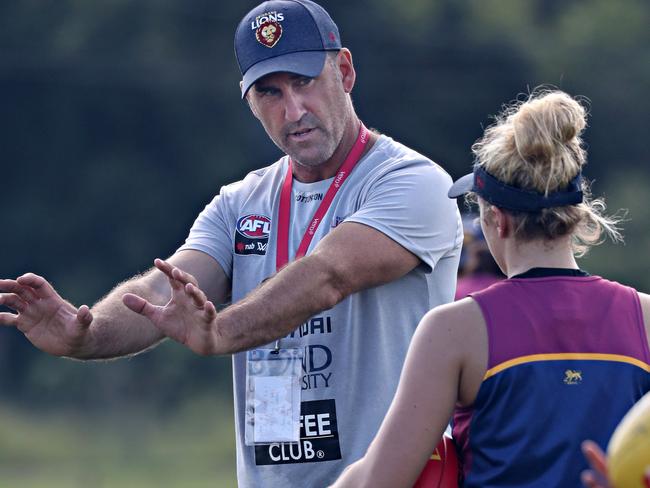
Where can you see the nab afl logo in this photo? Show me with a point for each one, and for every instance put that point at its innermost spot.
(252, 234)
(254, 226)
(268, 29)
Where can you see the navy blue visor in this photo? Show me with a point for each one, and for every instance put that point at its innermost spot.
(511, 198)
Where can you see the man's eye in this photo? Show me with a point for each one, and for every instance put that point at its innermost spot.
(304, 80)
(265, 91)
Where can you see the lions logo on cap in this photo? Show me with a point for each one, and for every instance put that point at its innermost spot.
(268, 29)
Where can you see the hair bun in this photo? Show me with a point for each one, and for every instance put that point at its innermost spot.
(542, 126)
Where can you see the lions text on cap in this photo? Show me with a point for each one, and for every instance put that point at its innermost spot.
(268, 29)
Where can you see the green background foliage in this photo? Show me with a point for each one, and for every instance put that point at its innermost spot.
(121, 119)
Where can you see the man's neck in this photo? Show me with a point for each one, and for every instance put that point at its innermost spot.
(327, 169)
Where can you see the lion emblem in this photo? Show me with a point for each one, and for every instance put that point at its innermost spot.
(572, 377)
(269, 33)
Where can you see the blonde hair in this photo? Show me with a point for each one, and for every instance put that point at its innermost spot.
(536, 145)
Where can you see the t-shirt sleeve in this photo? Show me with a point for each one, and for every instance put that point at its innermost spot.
(211, 233)
(410, 205)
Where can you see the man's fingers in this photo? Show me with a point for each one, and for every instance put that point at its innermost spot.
(84, 316)
(174, 273)
(163, 266)
(8, 285)
(198, 297)
(167, 269)
(8, 319)
(139, 305)
(40, 285)
(201, 301)
(210, 311)
(183, 277)
(12, 301)
(24, 292)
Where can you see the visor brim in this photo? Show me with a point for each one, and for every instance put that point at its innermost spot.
(304, 63)
(461, 186)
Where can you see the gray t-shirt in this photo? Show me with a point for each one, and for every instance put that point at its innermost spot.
(353, 353)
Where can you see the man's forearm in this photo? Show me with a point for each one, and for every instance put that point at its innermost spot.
(338, 267)
(274, 309)
(115, 330)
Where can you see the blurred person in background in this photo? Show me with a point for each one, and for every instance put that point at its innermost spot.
(534, 364)
(477, 268)
(330, 256)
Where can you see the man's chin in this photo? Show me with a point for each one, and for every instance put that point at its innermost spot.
(306, 157)
(307, 161)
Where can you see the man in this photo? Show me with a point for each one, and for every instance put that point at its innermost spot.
(380, 240)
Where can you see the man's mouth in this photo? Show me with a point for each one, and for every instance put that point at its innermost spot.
(301, 133)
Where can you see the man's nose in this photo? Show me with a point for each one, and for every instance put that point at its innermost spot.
(294, 106)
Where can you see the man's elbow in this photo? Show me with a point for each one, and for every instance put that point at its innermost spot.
(332, 296)
(335, 284)
(337, 288)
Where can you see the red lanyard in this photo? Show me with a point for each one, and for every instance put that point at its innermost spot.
(282, 253)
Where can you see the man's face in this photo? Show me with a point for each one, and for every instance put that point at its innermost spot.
(305, 117)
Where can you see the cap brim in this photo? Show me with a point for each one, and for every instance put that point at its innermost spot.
(461, 186)
(305, 63)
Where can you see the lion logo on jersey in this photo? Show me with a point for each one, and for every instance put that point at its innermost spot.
(572, 377)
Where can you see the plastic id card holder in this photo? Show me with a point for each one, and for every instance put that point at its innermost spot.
(273, 395)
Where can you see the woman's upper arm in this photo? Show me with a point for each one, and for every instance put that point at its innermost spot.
(426, 395)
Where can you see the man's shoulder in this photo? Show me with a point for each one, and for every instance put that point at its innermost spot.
(254, 179)
(390, 155)
(394, 147)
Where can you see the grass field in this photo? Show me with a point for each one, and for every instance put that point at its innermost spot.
(193, 447)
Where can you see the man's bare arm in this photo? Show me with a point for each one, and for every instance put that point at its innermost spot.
(351, 258)
(109, 329)
(117, 331)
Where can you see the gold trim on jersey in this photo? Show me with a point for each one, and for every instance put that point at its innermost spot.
(566, 356)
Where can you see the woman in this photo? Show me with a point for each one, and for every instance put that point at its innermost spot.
(532, 365)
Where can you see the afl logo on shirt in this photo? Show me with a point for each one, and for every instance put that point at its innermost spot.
(252, 234)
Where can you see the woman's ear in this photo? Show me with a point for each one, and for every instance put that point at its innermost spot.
(502, 221)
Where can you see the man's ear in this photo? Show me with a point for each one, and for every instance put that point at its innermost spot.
(346, 68)
(248, 101)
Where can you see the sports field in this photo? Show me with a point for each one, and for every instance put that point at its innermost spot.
(192, 448)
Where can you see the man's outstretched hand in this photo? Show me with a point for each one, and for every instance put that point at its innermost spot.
(49, 322)
(189, 317)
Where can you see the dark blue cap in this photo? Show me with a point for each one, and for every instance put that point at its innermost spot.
(511, 198)
(284, 36)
